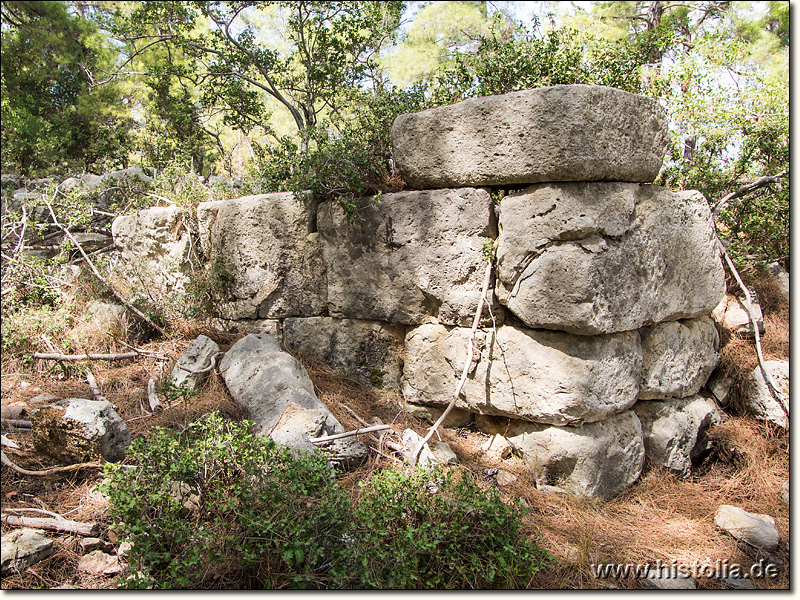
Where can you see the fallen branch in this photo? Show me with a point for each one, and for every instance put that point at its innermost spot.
(337, 436)
(748, 307)
(78, 357)
(99, 277)
(467, 366)
(18, 423)
(141, 352)
(59, 525)
(96, 393)
(152, 399)
(7, 462)
(747, 189)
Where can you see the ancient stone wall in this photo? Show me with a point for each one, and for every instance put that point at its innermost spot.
(596, 337)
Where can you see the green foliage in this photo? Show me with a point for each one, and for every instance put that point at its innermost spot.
(431, 529)
(265, 517)
(218, 507)
(50, 118)
(209, 285)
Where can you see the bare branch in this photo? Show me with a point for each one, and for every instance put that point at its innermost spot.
(746, 189)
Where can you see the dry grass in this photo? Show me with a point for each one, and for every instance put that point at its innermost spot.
(661, 517)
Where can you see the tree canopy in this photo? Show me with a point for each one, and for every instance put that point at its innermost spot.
(304, 93)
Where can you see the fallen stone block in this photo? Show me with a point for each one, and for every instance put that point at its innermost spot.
(22, 548)
(760, 401)
(754, 529)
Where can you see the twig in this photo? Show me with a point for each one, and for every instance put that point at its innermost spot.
(140, 351)
(7, 462)
(98, 395)
(100, 278)
(4, 441)
(354, 415)
(747, 189)
(467, 365)
(748, 306)
(336, 436)
(155, 404)
(78, 357)
(36, 510)
(17, 423)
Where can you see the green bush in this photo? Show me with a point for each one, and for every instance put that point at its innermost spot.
(217, 507)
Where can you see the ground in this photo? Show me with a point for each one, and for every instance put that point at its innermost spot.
(660, 517)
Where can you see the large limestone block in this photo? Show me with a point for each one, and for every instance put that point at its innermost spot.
(369, 351)
(592, 258)
(158, 243)
(263, 242)
(760, 401)
(678, 357)
(597, 460)
(558, 133)
(22, 548)
(277, 393)
(413, 256)
(675, 430)
(542, 376)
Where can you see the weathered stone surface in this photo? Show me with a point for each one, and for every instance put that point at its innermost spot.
(542, 376)
(92, 241)
(675, 430)
(157, 242)
(430, 414)
(9, 180)
(677, 357)
(100, 563)
(732, 314)
(785, 492)
(266, 381)
(558, 133)
(271, 327)
(369, 351)
(638, 255)
(78, 430)
(22, 548)
(264, 244)
(597, 460)
(759, 400)
(107, 317)
(662, 579)
(129, 173)
(198, 355)
(754, 529)
(410, 441)
(719, 385)
(414, 255)
(444, 453)
(782, 276)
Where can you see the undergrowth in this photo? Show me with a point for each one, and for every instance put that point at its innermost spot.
(217, 507)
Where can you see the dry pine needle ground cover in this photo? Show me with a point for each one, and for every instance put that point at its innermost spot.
(661, 517)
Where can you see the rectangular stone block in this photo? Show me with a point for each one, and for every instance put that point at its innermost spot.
(409, 257)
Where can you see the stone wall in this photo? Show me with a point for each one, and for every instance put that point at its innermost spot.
(599, 303)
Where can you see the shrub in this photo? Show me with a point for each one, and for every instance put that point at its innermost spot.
(427, 528)
(217, 507)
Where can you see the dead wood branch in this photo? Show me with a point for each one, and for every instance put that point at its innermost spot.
(152, 399)
(749, 307)
(96, 393)
(18, 423)
(7, 462)
(131, 308)
(60, 525)
(336, 436)
(487, 276)
(746, 189)
(78, 357)
(4, 441)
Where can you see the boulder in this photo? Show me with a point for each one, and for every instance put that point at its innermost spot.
(663, 579)
(266, 381)
(558, 133)
(719, 385)
(78, 430)
(413, 256)
(597, 460)
(759, 400)
(199, 354)
(675, 430)
(785, 492)
(410, 441)
(615, 257)
(107, 317)
(99, 563)
(678, 357)
(369, 351)
(10, 180)
(457, 417)
(158, 243)
(274, 264)
(782, 276)
(731, 313)
(542, 376)
(22, 548)
(129, 173)
(754, 529)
